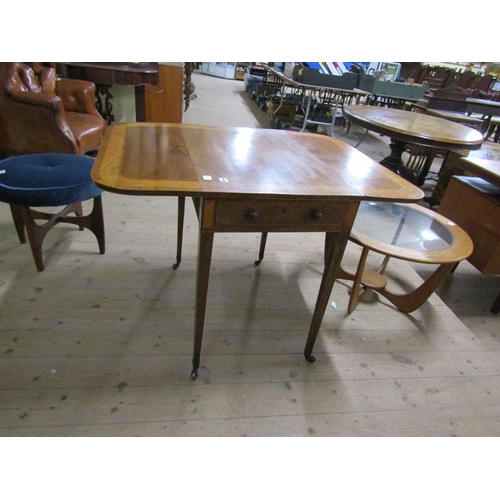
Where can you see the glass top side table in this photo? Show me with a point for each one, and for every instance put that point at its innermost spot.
(408, 232)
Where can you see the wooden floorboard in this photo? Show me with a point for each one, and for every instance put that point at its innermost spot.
(100, 345)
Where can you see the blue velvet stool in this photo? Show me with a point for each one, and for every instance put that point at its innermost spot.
(50, 180)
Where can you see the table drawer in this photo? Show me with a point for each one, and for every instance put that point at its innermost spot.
(242, 216)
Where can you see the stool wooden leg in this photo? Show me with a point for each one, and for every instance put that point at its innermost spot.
(36, 235)
(97, 224)
(37, 232)
(77, 209)
(496, 305)
(93, 221)
(17, 217)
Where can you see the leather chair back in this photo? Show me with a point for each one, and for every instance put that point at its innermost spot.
(32, 77)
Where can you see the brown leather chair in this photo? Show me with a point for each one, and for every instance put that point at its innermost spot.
(41, 113)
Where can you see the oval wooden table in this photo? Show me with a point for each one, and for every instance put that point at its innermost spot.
(407, 232)
(407, 127)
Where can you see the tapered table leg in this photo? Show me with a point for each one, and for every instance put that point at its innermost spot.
(205, 245)
(335, 246)
(262, 248)
(181, 205)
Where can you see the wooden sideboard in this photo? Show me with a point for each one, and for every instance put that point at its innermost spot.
(474, 204)
(106, 74)
(164, 102)
(159, 87)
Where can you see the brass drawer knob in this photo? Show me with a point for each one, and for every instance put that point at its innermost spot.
(252, 215)
(316, 215)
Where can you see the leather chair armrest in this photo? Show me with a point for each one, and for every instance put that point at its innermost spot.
(38, 128)
(77, 95)
(46, 100)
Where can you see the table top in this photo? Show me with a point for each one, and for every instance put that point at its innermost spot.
(489, 170)
(410, 232)
(230, 162)
(413, 127)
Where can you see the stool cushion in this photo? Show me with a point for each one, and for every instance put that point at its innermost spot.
(47, 180)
